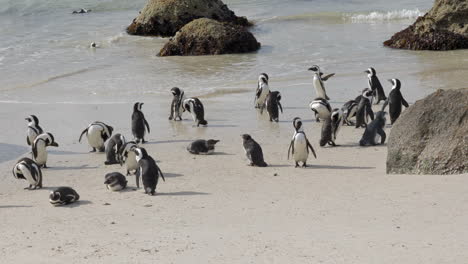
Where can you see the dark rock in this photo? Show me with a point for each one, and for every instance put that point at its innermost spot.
(209, 37)
(444, 27)
(431, 137)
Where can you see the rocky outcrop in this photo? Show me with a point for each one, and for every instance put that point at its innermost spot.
(431, 137)
(444, 27)
(209, 37)
(165, 17)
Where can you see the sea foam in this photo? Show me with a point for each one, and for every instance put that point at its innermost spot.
(375, 16)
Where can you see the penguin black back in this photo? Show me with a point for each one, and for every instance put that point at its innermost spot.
(253, 151)
(273, 103)
(395, 100)
(374, 131)
(148, 170)
(139, 123)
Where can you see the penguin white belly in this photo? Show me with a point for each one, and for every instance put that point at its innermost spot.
(319, 88)
(26, 173)
(300, 148)
(31, 135)
(115, 188)
(194, 116)
(94, 137)
(41, 157)
(131, 162)
(377, 138)
(322, 110)
(261, 99)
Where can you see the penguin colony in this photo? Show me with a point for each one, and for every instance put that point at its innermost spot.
(138, 162)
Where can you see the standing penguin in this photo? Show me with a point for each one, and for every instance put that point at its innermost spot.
(139, 123)
(97, 134)
(375, 86)
(319, 80)
(336, 122)
(176, 105)
(63, 196)
(375, 131)
(115, 181)
(349, 110)
(262, 90)
(253, 151)
(34, 129)
(127, 156)
(112, 149)
(327, 133)
(28, 170)
(395, 99)
(272, 103)
(195, 107)
(148, 170)
(364, 108)
(39, 148)
(321, 109)
(300, 145)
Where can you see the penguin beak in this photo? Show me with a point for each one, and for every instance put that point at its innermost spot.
(390, 80)
(54, 144)
(367, 72)
(311, 69)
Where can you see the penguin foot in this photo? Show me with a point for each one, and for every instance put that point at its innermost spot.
(143, 141)
(102, 149)
(297, 165)
(170, 118)
(44, 166)
(93, 150)
(304, 165)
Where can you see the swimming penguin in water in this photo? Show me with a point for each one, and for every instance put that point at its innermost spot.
(148, 170)
(39, 146)
(253, 151)
(319, 80)
(139, 123)
(364, 108)
(272, 103)
(349, 111)
(396, 100)
(115, 181)
(97, 134)
(63, 196)
(81, 11)
(195, 107)
(262, 90)
(321, 109)
(375, 86)
(202, 146)
(34, 129)
(112, 149)
(177, 104)
(28, 170)
(300, 145)
(128, 157)
(375, 131)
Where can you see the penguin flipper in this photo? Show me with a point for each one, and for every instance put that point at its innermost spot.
(326, 77)
(311, 148)
(385, 104)
(27, 140)
(162, 175)
(82, 133)
(403, 101)
(147, 125)
(281, 107)
(291, 147)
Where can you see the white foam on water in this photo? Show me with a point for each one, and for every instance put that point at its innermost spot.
(404, 14)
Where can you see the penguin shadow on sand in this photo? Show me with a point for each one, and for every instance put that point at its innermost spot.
(14, 206)
(76, 204)
(11, 152)
(81, 167)
(181, 193)
(168, 141)
(337, 167)
(62, 152)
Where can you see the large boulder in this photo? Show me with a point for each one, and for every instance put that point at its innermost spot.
(166, 17)
(444, 27)
(431, 137)
(209, 37)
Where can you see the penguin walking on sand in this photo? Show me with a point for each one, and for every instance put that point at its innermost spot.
(202, 146)
(39, 146)
(177, 107)
(375, 86)
(112, 149)
(195, 107)
(349, 111)
(29, 170)
(63, 196)
(253, 151)
(272, 103)
(321, 109)
(396, 100)
(300, 145)
(148, 170)
(336, 122)
(375, 131)
(97, 134)
(364, 108)
(327, 133)
(34, 129)
(115, 181)
(319, 80)
(262, 90)
(128, 157)
(139, 123)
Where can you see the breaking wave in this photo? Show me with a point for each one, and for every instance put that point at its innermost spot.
(404, 14)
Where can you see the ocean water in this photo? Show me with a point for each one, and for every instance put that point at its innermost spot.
(45, 56)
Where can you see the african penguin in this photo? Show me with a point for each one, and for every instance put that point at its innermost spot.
(81, 11)
(128, 157)
(177, 104)
(272, 103)
(336, 122)
(364, 108)
(195, 107)
(148, 170)
(321, 108)
(115, 181)
(262, 90)
(349, 111)
(375, 131)
(319, 80)
(139, 123)
(97, 134)
(63, 196)
(34, 129)
(39, 148)
(375, 86)
(300, 145)
(202, 146)
(28, 170)
(396, 100)
(112, 149)
(253, 151)
(327, 133)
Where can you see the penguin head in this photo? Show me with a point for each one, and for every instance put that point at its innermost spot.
(140, 153)
(336, 114)
(366, 92)
(297, 123)
(50, 140)
(370, 71)
(396, 84)
(211, 142)
(380, 115)
(278, 95)
(137, 106)
(314, 68)
(175, 91)
(110, 178)
(246, 137)
(54, 196)
(263, 78)
(33, 120)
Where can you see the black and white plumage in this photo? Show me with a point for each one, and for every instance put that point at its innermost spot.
(300, 145)
(202, 146)
(253, 151)
(395, 100)
(28, 170)
(375, 86)
(115, 181)
(39, 146)
(63, 196)
(319, 80)
(364, 108)
(273, 105)
(336, 122)
(148, 170)
(262, 90)
(34, 129)
(177, 104)
(321, 109)
(195, 107)
(81, 11)
(327, 133)
(112, 149)
(128, 157)
(97, 134)
(349, 111)
(139, 123)
(375, 131)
